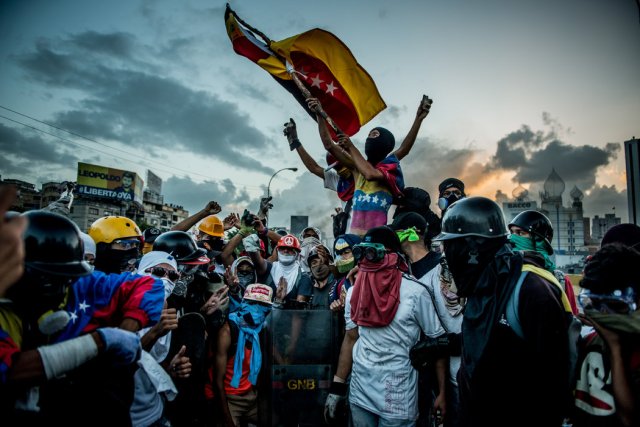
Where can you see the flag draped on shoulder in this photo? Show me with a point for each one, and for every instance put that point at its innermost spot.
(322, 62)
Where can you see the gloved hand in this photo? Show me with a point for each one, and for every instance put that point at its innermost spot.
(291, 133)
(251, 243)
(123, 346)
(336, 404)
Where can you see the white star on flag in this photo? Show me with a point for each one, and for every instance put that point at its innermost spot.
(74, 316)
(83, 306)
(375, 199)
(331, 88)
(367, 198)
(383, 203)
(316, 81)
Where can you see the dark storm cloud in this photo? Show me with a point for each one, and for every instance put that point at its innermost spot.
(194, 196)
(532, 155)
(603, 199)
(114, 44)
(24, 152)
(139, 108)
(429, 163)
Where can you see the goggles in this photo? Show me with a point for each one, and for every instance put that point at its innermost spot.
(373, 252)
(163, 272)
(617, 302)
(447, 193)
(126, 244)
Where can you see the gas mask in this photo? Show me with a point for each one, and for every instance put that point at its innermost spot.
(445, 202)
(214, 247)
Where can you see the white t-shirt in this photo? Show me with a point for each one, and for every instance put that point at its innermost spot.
(382, 379)
(453, 324)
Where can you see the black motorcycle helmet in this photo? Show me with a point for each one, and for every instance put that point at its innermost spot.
(472, 216)
(182, 246)
(53, 245)
(536, 224)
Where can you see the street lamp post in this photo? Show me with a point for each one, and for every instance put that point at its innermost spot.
(269, 185)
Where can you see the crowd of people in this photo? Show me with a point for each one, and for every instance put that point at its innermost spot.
(456, 319)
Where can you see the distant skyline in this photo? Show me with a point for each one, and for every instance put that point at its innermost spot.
(519, 88)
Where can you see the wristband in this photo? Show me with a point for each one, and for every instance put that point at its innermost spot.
(295, 144)
(338, 388)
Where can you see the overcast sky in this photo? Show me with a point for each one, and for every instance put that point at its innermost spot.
(519, 88)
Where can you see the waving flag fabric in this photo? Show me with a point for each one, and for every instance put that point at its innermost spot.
(323, 63)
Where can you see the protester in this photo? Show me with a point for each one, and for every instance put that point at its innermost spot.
(385, 312)
(344, 263)
(608, 387)
(53, 365)
(505, 379)
(434, 387)
(89, 248)
(149, 236)
(118, 242)
(449, 191)
(532, 231)
(291, 285)
(323, 278)
(379, 179)
(239, 357)
(153, 382)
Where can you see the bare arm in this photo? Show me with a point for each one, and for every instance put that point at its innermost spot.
(311, 165)
(224, 341)
(410, 139)
(227, 251)
(365, 168)
(212, 208)
(442, 371)
(345, 361)
(325, 135)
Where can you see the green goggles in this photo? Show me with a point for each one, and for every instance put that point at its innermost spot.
(373, 252)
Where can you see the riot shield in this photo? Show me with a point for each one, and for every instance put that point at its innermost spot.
(302, 350)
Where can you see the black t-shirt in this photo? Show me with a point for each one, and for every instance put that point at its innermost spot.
(425, 264)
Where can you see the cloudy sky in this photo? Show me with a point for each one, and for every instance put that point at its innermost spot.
(519, 88)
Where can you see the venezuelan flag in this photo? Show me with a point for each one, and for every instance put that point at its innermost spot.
(326, 65)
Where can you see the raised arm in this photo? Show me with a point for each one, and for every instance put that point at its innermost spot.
(212, 208)
(410, 139)
(291, 133)
(325, 135)
(362, 166)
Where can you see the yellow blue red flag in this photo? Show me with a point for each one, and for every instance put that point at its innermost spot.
(329, 70)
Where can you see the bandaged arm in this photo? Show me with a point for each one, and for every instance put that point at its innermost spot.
(32, 367)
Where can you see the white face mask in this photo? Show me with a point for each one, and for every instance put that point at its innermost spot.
(168, 287)
(286, 259)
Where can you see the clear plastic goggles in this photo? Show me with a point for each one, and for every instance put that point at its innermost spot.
(617, 302)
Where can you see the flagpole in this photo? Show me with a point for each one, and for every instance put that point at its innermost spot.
(292, 72)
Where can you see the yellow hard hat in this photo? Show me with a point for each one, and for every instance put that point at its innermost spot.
(212, 226)
(110, 228)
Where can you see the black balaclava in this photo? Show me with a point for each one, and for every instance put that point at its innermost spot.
(115, 261)
(467, 257)
(378, 145)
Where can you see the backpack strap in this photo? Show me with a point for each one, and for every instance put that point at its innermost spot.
(551, 278)
(511, 311)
